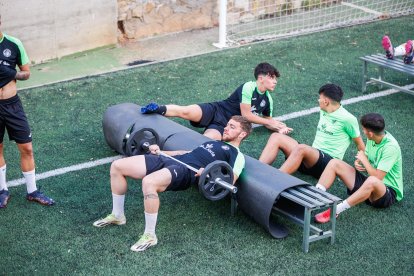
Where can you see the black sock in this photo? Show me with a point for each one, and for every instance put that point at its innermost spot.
(161, 110)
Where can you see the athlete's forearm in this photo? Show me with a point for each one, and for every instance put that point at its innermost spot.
(255, 119)
(175, 152)
(22, 75)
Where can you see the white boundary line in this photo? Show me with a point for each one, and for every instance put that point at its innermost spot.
(305, 112)
(367, 10)
(289, 116)
(60, 171)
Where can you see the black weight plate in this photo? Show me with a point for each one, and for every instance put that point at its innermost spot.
(139, 137)
(206, 184)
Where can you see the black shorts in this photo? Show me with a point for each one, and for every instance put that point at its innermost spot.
(13, 118)
(385, 201)
(182, 177)
(213, 117)
(317, 169)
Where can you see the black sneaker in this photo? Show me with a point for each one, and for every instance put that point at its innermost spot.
(4, 198)
(39, 197)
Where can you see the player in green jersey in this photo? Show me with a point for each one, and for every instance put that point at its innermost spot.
(335, 131)
(376, 177)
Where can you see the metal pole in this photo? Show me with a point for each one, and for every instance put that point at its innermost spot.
(176, 160)
(225, 185)
(222, 25)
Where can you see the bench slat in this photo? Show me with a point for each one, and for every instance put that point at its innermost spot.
(307, 197)
(297, 200)
(315, 195)
(325, 194)
(394, 64)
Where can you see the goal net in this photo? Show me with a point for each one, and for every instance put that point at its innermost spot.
(255, 20)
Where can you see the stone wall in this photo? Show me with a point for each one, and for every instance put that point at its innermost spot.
(145, 18)
(140, 19)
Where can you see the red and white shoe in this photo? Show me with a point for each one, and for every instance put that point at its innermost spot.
(324, 216)
(409, 53)
(387, 45)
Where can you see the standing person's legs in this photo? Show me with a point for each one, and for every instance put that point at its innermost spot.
(3, 183)
(4, 192)
(26, 156)
(275, 143)
(27, 165)
(18, 129)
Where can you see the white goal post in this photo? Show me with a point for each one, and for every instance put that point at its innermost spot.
(244, 21)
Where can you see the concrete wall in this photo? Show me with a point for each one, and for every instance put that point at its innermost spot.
(55, 28)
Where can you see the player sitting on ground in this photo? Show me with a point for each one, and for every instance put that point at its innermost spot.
(381, 161)
(160, 173)
(336, 128)
(251, 100)
(405, 49)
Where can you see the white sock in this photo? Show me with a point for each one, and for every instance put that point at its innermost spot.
(150, 223)
(30, 181)
(400, 50)
(118, 205)
(342, 207)
(3, 183)
(320, 187)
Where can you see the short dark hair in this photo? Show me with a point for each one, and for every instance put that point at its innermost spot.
(265, 68)
(332, 91)
(373, 122)
(245, 125)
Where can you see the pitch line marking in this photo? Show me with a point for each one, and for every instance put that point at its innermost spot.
(362, 8)
(285, 117)
(64, 170)
(358, 99)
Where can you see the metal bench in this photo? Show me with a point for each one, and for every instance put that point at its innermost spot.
(382, 62)
(298, 203)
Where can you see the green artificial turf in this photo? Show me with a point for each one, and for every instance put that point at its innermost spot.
(197, 236)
